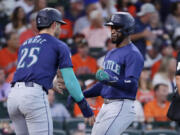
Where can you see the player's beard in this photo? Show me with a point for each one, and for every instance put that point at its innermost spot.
(118, 39)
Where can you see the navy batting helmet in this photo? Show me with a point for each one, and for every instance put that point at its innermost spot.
(47, 16)
(124, 21)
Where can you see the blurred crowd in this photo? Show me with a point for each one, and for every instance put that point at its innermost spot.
(157, 36)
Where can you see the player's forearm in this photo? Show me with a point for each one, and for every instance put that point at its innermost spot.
(125, 84)
(94, 91)
(72, 84)
(178, 83)
(137, 36)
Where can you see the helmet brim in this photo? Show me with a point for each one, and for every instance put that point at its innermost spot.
(62, 22)
(108, 24)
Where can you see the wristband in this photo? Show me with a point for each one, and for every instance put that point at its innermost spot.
(85, 108)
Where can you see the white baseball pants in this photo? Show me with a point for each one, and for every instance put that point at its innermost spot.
(29, 111)
(114, 118)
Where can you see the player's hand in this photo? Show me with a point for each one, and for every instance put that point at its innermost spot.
(90, 120)
(58, 83)
(101, 75)
(147, 33)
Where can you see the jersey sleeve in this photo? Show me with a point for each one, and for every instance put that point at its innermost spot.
(64, 57)
(178, 65)
(133, 65)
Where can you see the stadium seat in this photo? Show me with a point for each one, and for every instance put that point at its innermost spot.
(160, 132)
(3, 111)
(57, 124)
(96, 52)
(88, 131)
(59, 132)
(136, 125)
(164, 125)
(132, 132)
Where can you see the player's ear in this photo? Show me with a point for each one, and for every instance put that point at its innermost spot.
(53, 25)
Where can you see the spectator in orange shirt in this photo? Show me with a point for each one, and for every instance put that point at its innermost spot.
(82, 62)
(156, 110)
(32, 31)
(66, 30)
(145, 94)
(8, 55)
(95, 103)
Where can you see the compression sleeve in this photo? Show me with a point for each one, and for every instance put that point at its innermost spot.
(93, 91)
(72, 84)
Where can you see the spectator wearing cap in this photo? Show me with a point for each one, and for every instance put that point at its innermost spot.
(96, 34)
(31, 31)
(75, 11)
(84, 21)
(82, 62)
(166, 73)
(142, 27)
(4, 87)
(156, 110)
(18, 23)
(8, 55)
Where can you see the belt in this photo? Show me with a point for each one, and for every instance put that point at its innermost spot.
(27, 84)
(107, 101)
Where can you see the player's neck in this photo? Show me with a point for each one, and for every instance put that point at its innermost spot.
(124, 42)
(47, 31)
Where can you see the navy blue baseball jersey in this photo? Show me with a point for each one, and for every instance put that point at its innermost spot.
(39, 58)
(122, 63)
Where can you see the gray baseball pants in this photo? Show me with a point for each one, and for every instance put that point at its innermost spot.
(114, 117)
(29, 111)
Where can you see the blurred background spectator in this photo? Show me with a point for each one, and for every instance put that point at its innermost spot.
(76, 10)
(18, 23)
(173, 19)
(157, 35)
(27, 5)
(9, 54)
(145, 92)
(96, 34)
(142, 29)
(58, 110)
(166, 73)
(108, 46)
(31, 31)
(4, 87)
(83, 63)
(156, 110)
(84, 21)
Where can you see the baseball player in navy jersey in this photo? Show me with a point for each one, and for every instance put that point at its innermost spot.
(38, 60)
(118, 80)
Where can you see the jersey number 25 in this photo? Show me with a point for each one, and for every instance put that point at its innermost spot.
(30, 53)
